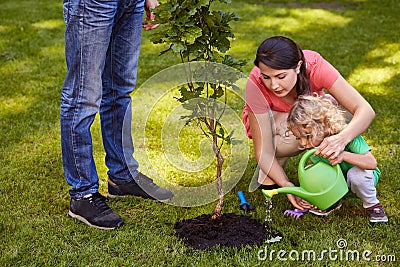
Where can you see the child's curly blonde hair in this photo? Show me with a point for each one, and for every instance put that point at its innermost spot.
(318, 114)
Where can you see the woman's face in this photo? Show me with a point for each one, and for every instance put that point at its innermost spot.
(280, 82)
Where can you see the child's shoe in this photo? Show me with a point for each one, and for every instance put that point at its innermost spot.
(377, 214)
(326, 212)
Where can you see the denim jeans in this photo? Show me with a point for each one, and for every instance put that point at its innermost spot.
(102, 46)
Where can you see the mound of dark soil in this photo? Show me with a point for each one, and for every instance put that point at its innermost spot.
(229, 230)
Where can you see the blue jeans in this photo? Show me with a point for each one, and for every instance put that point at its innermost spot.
(102, 46)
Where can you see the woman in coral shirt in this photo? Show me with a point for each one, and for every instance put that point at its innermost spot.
(282, 72)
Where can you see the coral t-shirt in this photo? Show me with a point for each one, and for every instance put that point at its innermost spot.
(259, 97)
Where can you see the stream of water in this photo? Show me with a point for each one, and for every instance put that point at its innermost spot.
(271, 237)
(268, 204)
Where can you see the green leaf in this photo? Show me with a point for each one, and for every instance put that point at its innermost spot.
(191, 34)
(223, 45)
(178, 47)
(233, 62)
(222, 132)
(172, 32)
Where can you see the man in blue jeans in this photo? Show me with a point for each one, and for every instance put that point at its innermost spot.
(102, 46)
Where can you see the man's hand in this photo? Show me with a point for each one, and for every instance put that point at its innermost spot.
(147, 23)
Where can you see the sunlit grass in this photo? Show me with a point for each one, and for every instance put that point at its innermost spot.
(382, 65)
(48, 24)
(295, 20)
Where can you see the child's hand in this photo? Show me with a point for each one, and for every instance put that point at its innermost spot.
(336, 160)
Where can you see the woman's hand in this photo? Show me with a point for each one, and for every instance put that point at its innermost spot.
(331, 147)
(305, 204)
(299, 203)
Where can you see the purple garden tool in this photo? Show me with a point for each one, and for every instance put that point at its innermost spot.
(296, 213)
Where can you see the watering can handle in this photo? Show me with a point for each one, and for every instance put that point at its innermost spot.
(306, 156)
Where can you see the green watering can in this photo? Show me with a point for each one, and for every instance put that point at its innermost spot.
(321, 184)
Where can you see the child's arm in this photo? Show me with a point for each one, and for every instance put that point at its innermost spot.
(365, 161)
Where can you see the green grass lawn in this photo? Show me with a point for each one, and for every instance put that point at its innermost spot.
(359, 37)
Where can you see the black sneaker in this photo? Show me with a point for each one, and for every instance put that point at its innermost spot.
(377, 214)
(141, 186)
(94, 211)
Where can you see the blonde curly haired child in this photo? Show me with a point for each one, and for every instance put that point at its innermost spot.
(311, 119)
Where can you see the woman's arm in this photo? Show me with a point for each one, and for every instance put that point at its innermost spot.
(264, 148)
(363, 115)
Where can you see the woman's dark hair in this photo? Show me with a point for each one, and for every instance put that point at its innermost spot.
(279, 52)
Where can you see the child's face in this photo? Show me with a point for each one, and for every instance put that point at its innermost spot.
(305, 138)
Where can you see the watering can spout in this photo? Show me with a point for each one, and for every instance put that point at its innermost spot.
(269, 193)
(297, 191)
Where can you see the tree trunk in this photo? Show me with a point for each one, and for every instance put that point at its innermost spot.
(220, 161)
